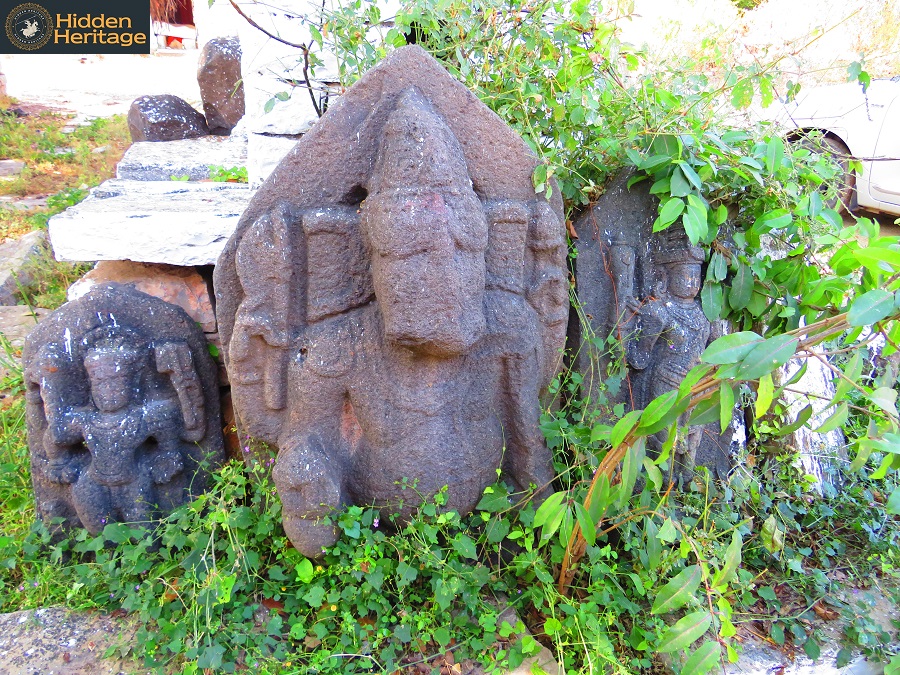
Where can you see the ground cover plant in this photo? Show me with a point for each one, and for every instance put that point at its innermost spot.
(616, 571)
(61, 163)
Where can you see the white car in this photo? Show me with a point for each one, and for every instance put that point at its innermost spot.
(857, 124)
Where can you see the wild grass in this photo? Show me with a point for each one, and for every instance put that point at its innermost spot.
(61, 161)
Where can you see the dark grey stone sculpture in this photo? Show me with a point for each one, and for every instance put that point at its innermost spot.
(122, 409)
(164, 117)
(221, 86)
(641, 289)
(393, 303)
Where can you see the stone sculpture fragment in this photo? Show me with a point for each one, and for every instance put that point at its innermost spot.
(394, 302)
(122, 409)
(639, 292)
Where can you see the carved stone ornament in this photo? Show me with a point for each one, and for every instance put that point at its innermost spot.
(122, 409)
(642, 289)
(393, 303)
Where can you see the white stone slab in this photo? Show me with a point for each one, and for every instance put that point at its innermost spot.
(264, 152)
(171, 222)
(190, 157)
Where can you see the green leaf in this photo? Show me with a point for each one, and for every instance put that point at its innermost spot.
(767, 356)
(742, 94)
(669, 213)
(631, 466)
(731, 348)
(732, 561)
(654, 475)
(658, 408)
(718, 267)
(811, 647)
(852, 372)
(654, 162)
(587, 525)
(774, 154)
(679, 186)
(886, 399)
(703, 660)
(552, 626)
(693, 377)
(694, 220)
(712, 299)
(680, 590)
(685, 631)
(726, 405)
(764, 394)
(667, 532)
(893, 503)
(741, 287)
(772, 220)
(623, 427)
(802, 418)
(871, 307)
(304, 571)
(772, 537)
(547, 511)
(835, 420)
(464, 545)
(691, 175)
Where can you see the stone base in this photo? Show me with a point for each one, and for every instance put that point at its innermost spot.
(177, 285)
(150, 221)
(190, 157)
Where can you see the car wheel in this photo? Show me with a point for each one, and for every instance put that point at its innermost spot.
(845, 181)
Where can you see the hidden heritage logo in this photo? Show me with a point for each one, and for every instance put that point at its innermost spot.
(66, 27)
(29, 26)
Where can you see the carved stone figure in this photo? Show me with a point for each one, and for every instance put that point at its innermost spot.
(667, 333)
(122, 409)
(638, 290)
(393, 303)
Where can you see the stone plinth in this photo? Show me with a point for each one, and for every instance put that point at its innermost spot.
(182, 286)
(189, 157)
(150, 221)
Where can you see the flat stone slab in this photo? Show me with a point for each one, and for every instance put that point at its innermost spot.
(17, 321)
(11, 167)
(173, 222)
(15, 256)
(59, 641)
(190, 157)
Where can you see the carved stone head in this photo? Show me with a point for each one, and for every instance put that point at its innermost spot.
(427, 234)
(114, 370)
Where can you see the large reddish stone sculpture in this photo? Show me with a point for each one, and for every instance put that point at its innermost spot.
(393, 303)
(122, 409)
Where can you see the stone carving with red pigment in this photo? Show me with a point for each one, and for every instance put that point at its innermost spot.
(394, 302)
(122, 409)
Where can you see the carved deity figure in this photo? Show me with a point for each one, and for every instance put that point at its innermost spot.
(114, 418)
(424, 315)
(638, 295)
(667, 334)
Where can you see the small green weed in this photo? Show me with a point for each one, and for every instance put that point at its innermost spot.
(234, 174)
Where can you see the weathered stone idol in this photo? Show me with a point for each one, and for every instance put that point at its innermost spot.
(642, 289)
(122, 409)
(393, 303)
(164, 117)
(221, 86)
